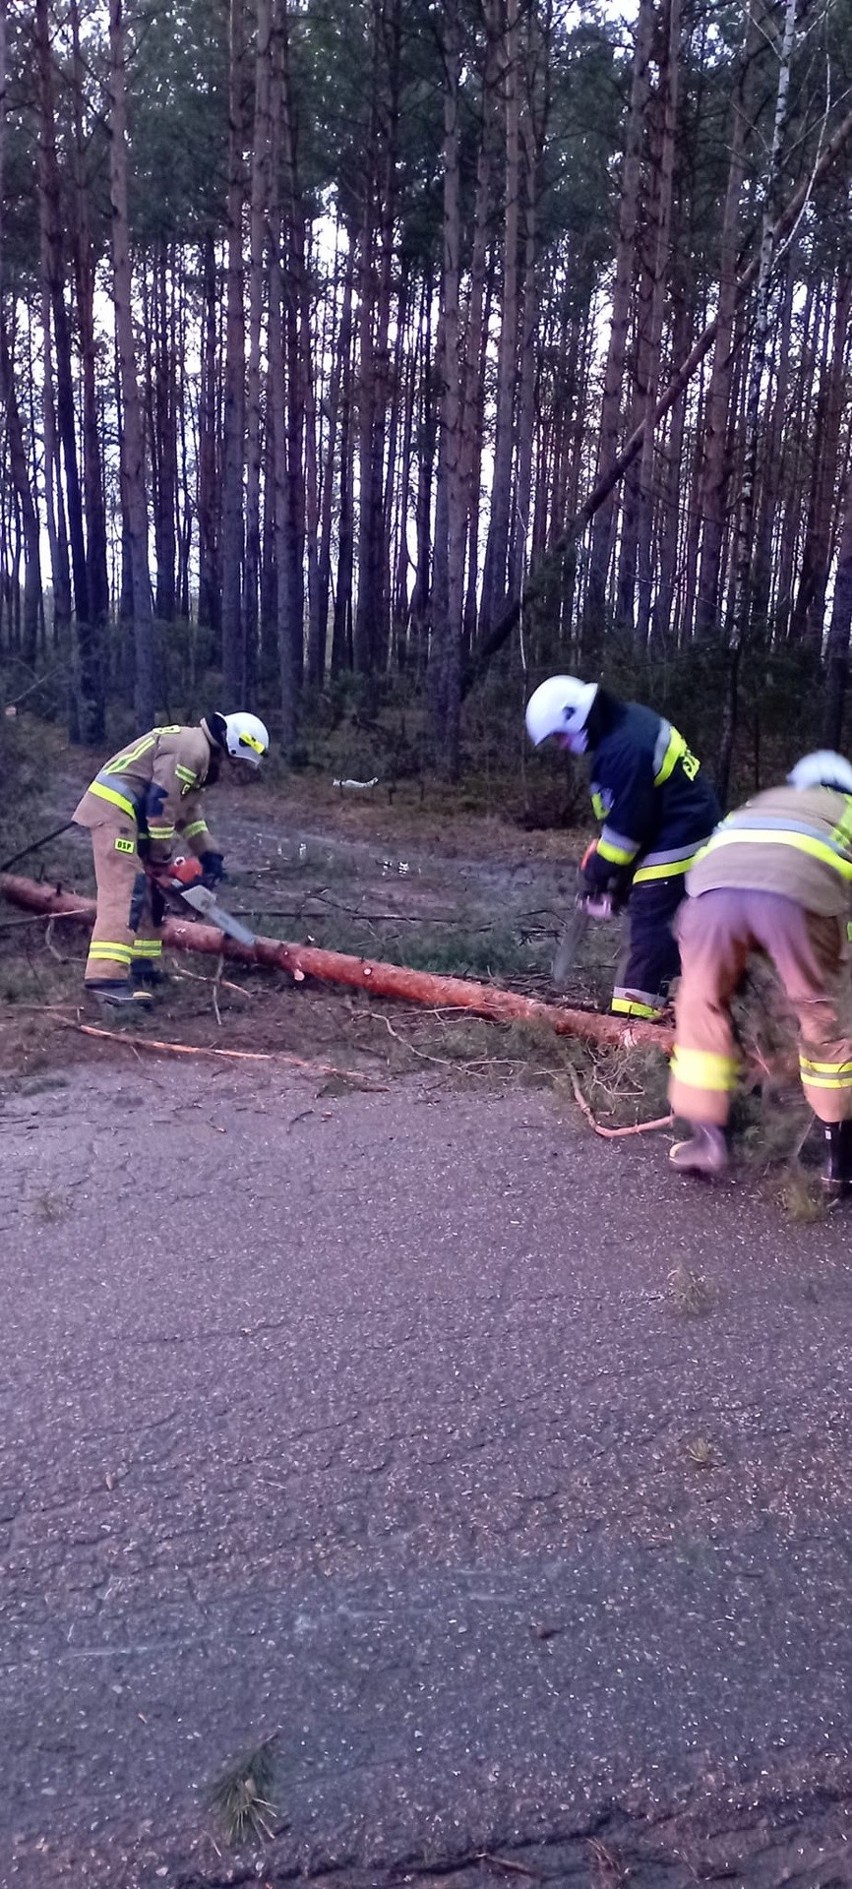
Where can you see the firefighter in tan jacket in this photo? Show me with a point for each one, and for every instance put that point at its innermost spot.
(136, 806)
(776, 877)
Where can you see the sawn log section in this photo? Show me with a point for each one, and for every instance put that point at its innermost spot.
(382, 980)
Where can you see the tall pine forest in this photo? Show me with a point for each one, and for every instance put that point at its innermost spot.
(383, 356)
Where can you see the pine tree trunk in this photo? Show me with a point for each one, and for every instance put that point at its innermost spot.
(494, 571)
(809, 607)
(601, 540)
(258, 223)
(745, 524)
(716, 469)
(86, 661)
(209, 591)
(131, 443)
(17, 457)
(449, 547)
(666, 118)
(93, 656)
(837, 642)
(233, 433)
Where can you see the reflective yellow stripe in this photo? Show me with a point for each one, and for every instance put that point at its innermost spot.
(626, 1007)
(801, 842)
(128, 755)
(251, 741)
(101, 949)
(667, 870)
(703, 1069)
(116, 799)
(185, 774)
(195, 827)
(148, 948)
(617, 855)
(161, 832)
(826, 1082)
(598, 808)
(842, 834)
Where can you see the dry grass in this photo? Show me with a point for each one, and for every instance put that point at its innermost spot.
(48, 1208)
(240, 1796)
(701, 1453)
(801, 1196)
(609, 1871)
(691, 1295)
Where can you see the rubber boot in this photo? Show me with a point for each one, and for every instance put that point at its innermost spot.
(119, 993)
(837, 1173)
(706, 1151)
(147, 977)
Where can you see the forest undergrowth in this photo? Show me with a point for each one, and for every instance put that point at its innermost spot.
(473, 883)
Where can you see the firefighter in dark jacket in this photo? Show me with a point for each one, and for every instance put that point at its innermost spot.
(657, 810)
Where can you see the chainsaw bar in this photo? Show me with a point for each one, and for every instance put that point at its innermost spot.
(202, 900)
(568, 948)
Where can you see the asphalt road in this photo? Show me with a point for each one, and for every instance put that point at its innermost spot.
(377, 1422)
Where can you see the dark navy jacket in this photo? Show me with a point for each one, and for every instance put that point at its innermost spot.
(652, 795)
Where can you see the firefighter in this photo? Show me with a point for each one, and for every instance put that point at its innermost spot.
(775, 877)
(658, 809)
(136, 806)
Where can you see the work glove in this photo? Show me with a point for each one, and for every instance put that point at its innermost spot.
(598, 904)
(603, 888)
(212, 868)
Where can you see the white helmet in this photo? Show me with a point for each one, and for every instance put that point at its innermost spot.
(822, 769)
(560, 706)
(244, 737)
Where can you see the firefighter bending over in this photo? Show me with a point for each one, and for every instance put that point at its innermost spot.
(776, 877)
(142, 799)
(658, 809)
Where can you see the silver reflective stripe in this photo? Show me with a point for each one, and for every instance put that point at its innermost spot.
(661, 745)
(675, 853)
(621, 841)
(752, 822)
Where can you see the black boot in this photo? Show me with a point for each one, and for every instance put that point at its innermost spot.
(837, 1173)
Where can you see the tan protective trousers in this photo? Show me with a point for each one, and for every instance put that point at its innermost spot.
(125, 934)
(717, 932)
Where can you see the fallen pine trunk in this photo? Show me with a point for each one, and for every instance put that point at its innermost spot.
(382, 980)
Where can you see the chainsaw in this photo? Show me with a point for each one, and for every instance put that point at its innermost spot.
(185, 882)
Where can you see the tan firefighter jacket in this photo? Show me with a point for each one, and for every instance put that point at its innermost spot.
(795, 841)
(155, 781)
